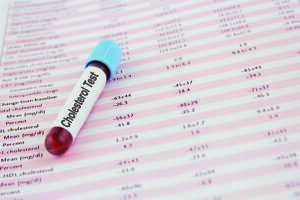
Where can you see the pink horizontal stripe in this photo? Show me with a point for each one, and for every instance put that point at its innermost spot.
(67, 65)
(90, 3)
(35, 13)
(42, 20)
(39, 48)
(267, 189)
(30, 5)
(41, 149)
(112, 15)
(172, 171)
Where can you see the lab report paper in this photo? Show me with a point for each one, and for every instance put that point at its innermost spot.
(204, 105)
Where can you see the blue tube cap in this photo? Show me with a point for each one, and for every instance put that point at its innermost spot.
(107, 52)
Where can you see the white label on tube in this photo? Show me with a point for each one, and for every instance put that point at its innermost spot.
(81, 101)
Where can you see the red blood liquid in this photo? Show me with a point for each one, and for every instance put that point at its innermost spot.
(58, 141)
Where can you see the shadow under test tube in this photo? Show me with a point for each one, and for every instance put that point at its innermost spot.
(100, 66)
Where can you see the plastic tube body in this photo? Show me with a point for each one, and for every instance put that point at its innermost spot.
(76, 109)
